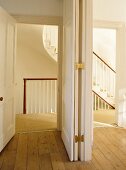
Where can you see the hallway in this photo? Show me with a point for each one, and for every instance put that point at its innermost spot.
(45, 151)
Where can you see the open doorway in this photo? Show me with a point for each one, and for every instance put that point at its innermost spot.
(104, 76)
(36, 77)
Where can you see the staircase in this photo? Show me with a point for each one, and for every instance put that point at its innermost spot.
(103, 84)
(50, 40)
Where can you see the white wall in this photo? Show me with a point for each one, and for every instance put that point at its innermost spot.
(120, 75)
(33, 7)
(115, 10)
(104, 44)
(109, 10)
(32, 60)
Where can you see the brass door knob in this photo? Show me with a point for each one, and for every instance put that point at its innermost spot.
(1, 98)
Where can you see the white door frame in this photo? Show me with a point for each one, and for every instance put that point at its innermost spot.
(119, 27)
(87, 52)
(86, 105)
(45, 20)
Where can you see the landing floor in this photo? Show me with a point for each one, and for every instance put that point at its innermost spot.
(45, 151)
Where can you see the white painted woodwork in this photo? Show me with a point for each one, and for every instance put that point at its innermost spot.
(86, 118)
(103, 80)
(76, 79)
(41, 96)
(77, 85)
(99, 103)
(7, 61)
(68, 77)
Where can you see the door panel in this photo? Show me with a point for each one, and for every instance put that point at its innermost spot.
(68, 77)
(2, 75)
(7, 51)
(76, 79)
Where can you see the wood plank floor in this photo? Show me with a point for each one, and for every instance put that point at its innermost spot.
(45, 151)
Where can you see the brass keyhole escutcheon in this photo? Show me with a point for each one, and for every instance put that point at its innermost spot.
(1, 98)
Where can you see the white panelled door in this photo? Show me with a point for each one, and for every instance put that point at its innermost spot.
(68, 110)
(77, 82)
(7, 53)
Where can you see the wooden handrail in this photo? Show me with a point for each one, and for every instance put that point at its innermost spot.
(40, 78)
(103, 99)
(103, 62)
(25, 80)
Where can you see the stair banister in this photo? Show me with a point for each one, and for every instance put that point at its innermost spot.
(103, 82)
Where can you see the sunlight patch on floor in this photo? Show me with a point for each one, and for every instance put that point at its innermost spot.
(99, 124)
(105, 116)
(35, 122)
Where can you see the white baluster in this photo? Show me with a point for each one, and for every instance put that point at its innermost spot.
(96, 71)
(93, 73)
(98, 102)
(101, 78)
(114, 86)
(47, 96)
(35, 96)
(44, 96)
(39, 92)
(106, 79)
(95, 102)
(51, 96)
(55, 96)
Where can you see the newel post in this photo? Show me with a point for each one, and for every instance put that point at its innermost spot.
(24, 101)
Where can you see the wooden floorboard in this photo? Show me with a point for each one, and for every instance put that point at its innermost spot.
(33, 152)
(22, 152)
(45, 151)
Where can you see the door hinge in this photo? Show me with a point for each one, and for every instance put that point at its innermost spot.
(79, 138)
(79, 66)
